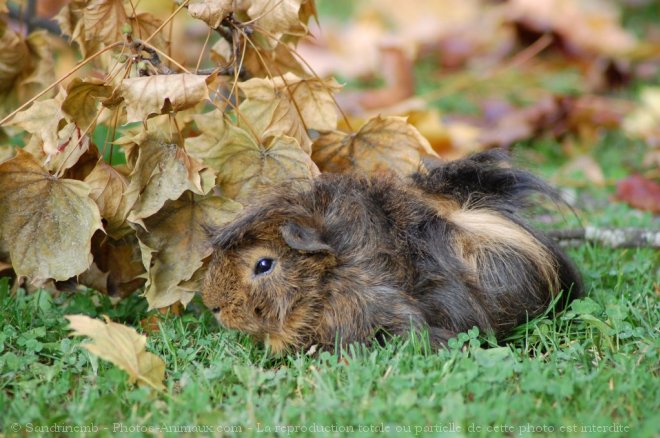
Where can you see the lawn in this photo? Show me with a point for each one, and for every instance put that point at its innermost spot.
(590, 371)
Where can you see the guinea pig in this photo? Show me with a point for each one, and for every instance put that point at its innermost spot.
(350, 257)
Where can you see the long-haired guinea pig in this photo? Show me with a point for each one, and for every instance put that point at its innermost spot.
(349, 257)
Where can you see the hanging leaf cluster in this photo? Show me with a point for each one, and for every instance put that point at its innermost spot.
(197, 144)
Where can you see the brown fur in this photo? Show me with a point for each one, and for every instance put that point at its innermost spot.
(356, 257)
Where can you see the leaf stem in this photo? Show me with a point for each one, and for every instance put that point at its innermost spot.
(57, 82)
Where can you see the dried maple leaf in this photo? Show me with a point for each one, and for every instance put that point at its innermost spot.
(277, 16)
(382, 144)
(120, 261)
(71, 145)
(583, 25)
(214, 132)
(644, 122)
(108, 188)
(246, 166)
(144, 25)
(81, 102)
(46, 222)
(161, 94)
(289, 105)
(122, 346)
(397, 71)
(313, 97)
(261, 62)
(42, 70)
(14, 58)
(103, 20)
(71, 22)
(163, 171)
(211, 12)
(6, 153)
(176, 243)
(640, 193)
(42, 120)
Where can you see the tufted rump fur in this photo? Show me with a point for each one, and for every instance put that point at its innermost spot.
(357, 256)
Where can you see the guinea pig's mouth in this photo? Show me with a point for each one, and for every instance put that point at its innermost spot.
(232, 323)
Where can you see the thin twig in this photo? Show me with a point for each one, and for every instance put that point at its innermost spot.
(610, 237)
(57, 82)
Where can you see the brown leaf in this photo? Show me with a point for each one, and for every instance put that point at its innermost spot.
(42, 120)
(162, 94)
(212, 12)
(70, 19)
(214, 133)
(121, 263)
(245, 166)
(644, 122)
(397, 71)
(277, 16)
(81, 102)
(70, 147)
(289, 105)
(85, 164)
(122, 346)
(582, 167)
(103, 20)
(582, 25)
(108, 190)
(176, 244)
(93, 278)
(42, 70)
(46, 222)
(382, 144)
(279, 59)
(14, 58)
(163, 171)
(6, 153)
(640, 193)
(144, 25)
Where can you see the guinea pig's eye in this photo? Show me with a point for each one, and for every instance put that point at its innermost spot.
(264, 266)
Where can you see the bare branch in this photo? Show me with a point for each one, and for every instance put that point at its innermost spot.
(610, 237)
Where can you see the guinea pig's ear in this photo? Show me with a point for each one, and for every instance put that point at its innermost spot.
(304, 238)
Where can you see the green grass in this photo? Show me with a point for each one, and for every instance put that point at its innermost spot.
(594, 366)
(591, 371)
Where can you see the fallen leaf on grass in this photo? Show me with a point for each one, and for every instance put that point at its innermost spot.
(583, 25)
(46, 222)
(397, 71)
(123, 346)
(644, 121)
(640, 193)
(583, 167)
(382, 144)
